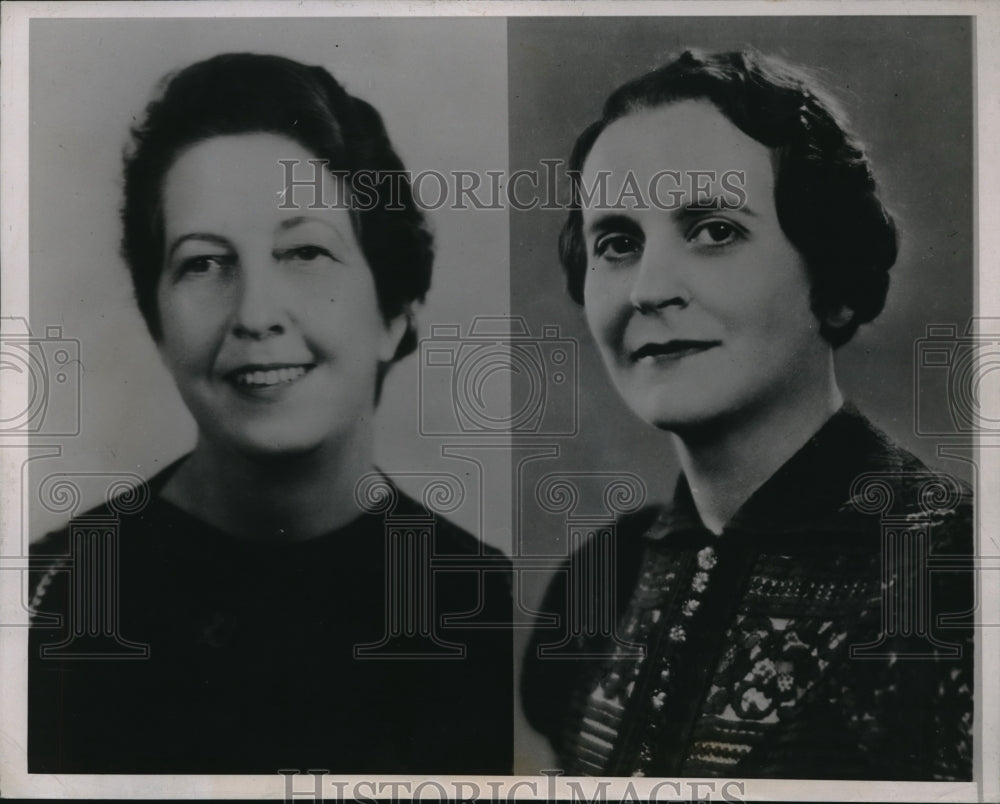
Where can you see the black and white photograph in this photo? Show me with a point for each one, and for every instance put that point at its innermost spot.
(750, 298)
(258, 619)
(499, 400)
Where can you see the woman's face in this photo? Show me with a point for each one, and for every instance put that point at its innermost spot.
(699, 312)
(271, 325)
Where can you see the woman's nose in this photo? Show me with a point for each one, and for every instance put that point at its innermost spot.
(259, 312)
(657, 281)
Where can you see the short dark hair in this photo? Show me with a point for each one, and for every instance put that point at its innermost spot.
(825, 192)
(237, 93)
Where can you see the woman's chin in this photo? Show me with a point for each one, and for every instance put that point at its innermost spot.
(279, 450)
(276, 432)
(677, 415)
(271, 445)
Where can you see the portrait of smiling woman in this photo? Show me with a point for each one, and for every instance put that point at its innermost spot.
(755, 632)
(254, 572)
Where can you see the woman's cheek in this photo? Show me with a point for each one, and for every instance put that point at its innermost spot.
(315, 291)
(609, 307)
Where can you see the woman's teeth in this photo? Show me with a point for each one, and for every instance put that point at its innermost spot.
(269, 377)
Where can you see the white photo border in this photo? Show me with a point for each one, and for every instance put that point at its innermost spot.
(16, 782)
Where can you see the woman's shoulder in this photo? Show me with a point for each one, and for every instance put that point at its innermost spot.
(619, 544)
(127, 496)
(895, 484)
(625, 534)
(877, 450)
(449, 538)
(130, 505)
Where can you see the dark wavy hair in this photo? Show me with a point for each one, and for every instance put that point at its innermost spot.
(239, 93)
(825, 192)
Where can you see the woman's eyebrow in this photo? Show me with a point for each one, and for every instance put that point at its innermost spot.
(298, 220)
(605, 223)
(709, 207)
(205, 236)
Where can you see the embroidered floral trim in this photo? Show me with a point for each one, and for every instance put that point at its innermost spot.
(766, 670)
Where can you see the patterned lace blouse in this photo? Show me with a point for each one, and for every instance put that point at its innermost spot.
(826, 633)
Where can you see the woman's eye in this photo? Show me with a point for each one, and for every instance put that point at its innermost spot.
(616, 246)
(305, 253)
(714, 233)
(203, 264)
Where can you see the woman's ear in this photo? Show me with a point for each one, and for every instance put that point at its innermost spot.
(840, 317)
(395, 330)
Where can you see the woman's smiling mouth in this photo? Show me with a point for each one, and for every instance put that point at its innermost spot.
(264, 377)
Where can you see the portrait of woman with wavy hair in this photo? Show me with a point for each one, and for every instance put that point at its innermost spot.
(751, 639)
(254, 574)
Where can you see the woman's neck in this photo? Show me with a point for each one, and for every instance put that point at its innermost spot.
(726, 462)
(284, 497)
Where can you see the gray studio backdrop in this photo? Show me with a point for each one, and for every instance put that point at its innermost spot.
(907, 86)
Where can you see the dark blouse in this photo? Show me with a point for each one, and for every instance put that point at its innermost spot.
(233, 656)
(811, 639)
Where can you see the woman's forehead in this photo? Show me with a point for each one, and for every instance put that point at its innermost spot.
(234, 191)
(236, 176)
(689, 135)
(232, 159)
